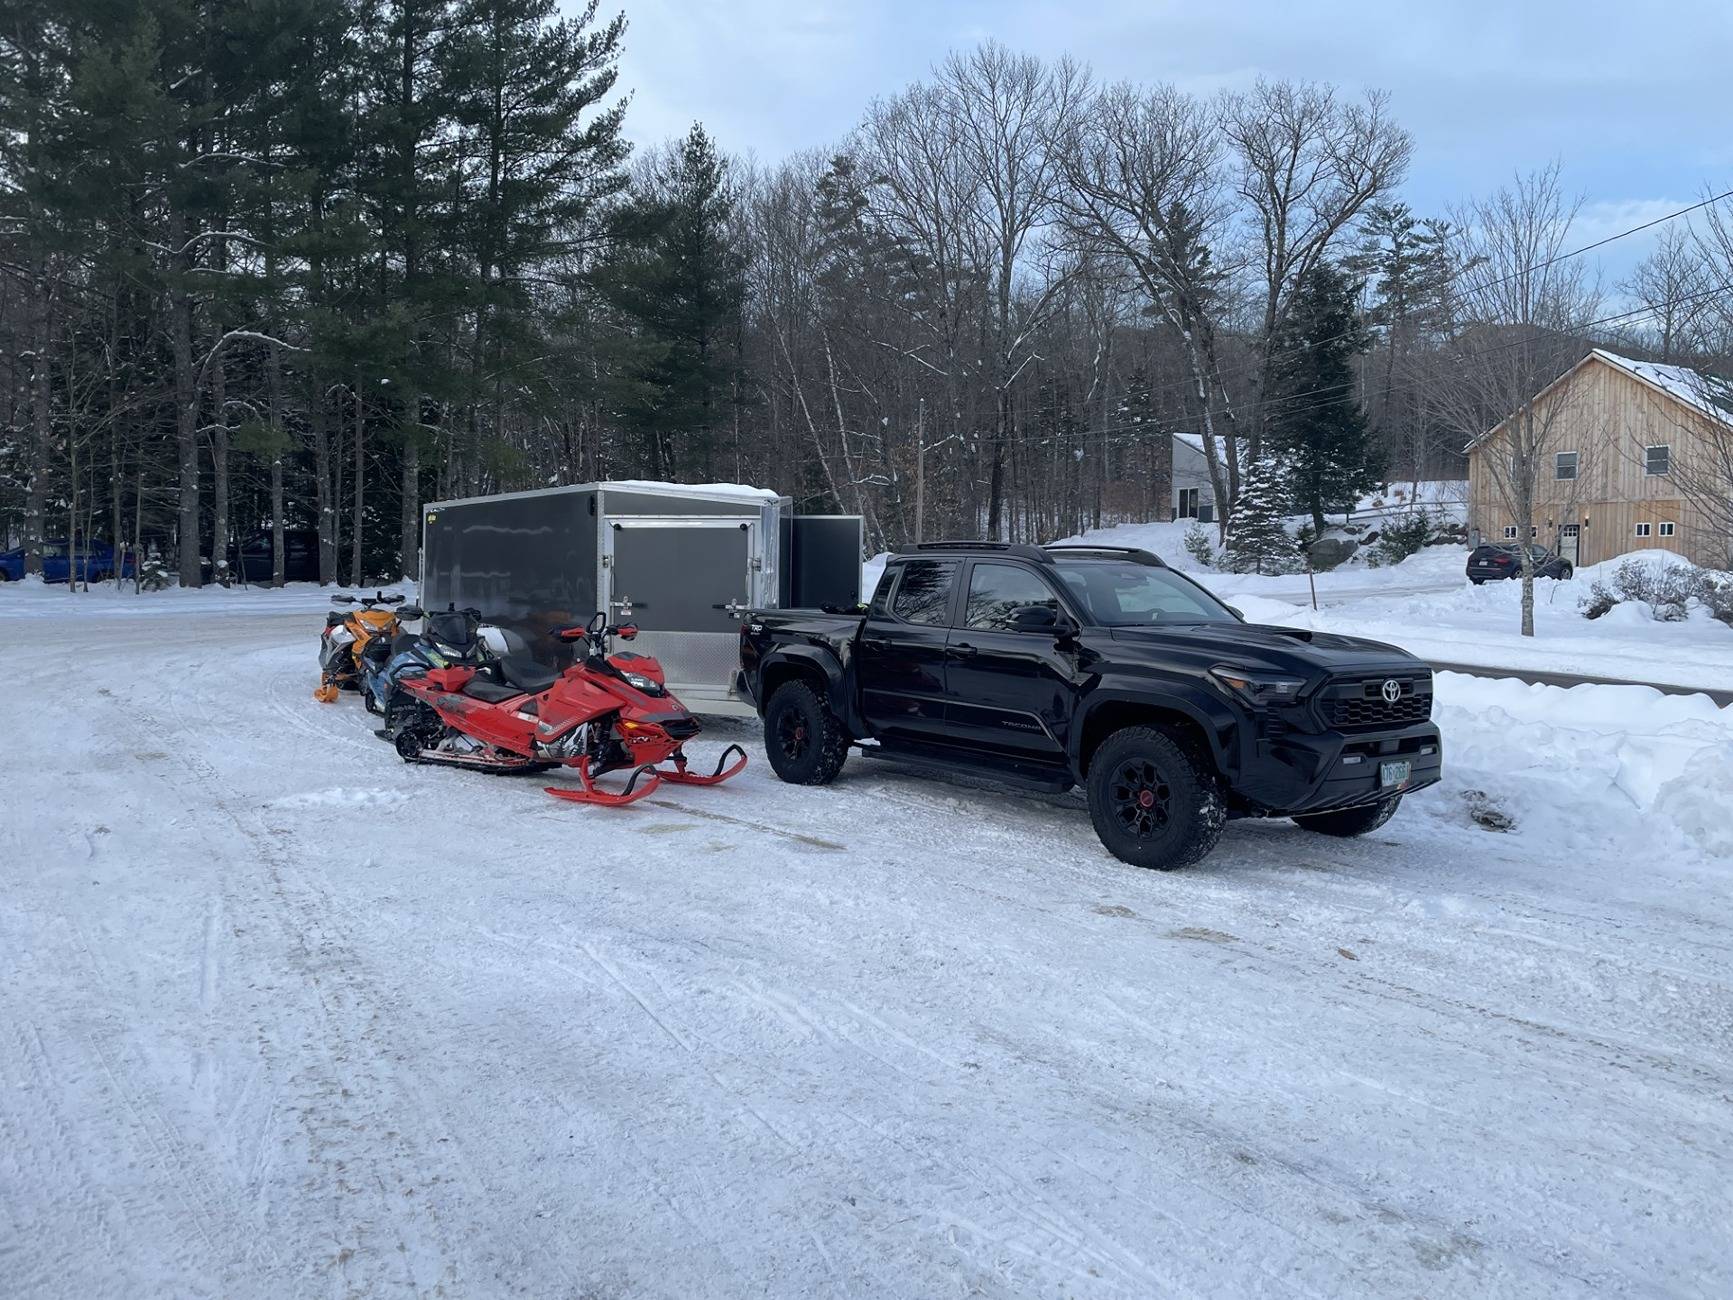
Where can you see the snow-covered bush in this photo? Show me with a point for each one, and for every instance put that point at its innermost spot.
(1199, 546)
(1401, 537)
(1715, 590)
(1666, 589)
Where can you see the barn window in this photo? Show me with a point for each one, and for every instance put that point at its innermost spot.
(1565, 465)
(1666, 528)
(1658, 460)
(1642, 530)
(1510, 532)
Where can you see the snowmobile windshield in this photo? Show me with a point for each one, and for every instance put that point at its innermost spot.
(456, 632)
(1123, 593)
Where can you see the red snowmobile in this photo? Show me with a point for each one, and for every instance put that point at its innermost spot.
(606, 713)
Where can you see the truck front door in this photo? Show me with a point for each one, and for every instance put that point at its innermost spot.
(900, 663)
(1009, 690)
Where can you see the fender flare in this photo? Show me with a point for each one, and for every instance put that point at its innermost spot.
(1212, 716)
(805, 661)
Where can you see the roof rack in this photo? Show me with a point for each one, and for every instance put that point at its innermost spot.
(1021, 550)
(1129, 552)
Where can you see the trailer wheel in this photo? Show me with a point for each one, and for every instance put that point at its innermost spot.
(803, 739)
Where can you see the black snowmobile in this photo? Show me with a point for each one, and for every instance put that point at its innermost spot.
(451, 638)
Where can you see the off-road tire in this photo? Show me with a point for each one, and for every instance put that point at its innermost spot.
(1350, 822)
(804, 741)
(1153, 804)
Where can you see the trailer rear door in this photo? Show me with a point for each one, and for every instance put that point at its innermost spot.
(684, 582)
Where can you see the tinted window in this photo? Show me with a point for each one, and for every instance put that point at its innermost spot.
(924, 593)
(882, 593)
(997, 589)
(1122, 593)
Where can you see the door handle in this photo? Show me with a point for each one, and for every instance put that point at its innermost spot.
(962, 651)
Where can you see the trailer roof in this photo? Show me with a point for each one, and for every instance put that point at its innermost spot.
(691, 491)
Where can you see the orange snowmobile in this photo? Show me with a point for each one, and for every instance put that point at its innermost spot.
(346, 635)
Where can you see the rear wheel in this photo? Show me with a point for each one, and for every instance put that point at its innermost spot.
(803, 739)
(1350, 822)
(1152, 804)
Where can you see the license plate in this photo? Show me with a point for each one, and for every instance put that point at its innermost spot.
(1390, 774)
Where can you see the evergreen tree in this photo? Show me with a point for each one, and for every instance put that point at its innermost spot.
(1315, 421)
(1258, 541)
(680, 276)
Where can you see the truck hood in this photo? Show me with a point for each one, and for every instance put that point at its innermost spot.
(1281, 649)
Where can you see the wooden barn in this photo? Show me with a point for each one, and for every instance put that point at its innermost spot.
(1619, 435)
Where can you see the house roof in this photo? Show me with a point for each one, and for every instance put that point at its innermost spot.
(1706, 394)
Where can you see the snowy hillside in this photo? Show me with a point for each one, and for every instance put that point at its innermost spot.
(284, 1016)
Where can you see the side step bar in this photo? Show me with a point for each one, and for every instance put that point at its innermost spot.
(1028, 776)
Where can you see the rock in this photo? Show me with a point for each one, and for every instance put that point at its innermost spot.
(1328, 552)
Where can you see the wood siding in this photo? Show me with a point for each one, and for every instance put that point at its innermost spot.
(1607, 417)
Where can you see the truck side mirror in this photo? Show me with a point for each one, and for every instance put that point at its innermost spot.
(1237, 612)
(1035, 618)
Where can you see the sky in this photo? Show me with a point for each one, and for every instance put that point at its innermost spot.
(1631, 99)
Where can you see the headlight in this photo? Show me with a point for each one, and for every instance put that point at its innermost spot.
(1259, 688)
(649, 685)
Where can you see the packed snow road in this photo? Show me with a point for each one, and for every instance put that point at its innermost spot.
(283, 1016)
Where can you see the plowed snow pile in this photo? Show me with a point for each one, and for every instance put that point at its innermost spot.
(1595, 766)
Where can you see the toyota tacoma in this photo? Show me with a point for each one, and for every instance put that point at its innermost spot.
(1098, 667)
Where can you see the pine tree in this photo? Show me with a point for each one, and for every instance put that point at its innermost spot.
(681, 278)
(1258, 541)
(1315, 421)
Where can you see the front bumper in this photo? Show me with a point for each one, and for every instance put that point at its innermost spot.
(1319, 773)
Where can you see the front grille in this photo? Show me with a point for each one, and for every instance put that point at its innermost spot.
(1361, 706)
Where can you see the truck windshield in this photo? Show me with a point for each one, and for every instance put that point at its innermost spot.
(1122, 593)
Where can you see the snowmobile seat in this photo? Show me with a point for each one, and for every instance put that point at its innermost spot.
(479, 688)
(527, 674)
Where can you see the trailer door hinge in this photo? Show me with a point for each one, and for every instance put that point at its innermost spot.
(757, 564)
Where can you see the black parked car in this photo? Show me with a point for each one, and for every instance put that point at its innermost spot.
(1101, 667)
(1489, 561)
(251, 560)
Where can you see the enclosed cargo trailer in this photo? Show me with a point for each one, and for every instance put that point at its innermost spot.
(682, 562)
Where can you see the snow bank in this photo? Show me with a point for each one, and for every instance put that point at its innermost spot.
(33, 598)
(1592, 768)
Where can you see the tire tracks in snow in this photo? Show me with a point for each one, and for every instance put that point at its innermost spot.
(333, 968)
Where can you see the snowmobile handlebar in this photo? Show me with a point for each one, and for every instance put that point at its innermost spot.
(374, 601)
(596, 632)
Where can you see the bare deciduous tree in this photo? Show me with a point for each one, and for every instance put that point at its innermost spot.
(1523, 310)
(1309, 163)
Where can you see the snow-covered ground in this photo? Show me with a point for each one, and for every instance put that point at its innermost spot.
(282, 1016)
(1427, 605)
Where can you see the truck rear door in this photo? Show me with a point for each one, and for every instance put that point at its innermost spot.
(900, 664)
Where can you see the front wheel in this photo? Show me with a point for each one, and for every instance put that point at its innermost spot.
(803, 739)
(1350, 822)
(1151, 803)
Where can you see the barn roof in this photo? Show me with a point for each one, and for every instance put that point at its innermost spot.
(1706, 394)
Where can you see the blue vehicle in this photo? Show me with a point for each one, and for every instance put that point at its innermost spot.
(446, 639)
(96, 562)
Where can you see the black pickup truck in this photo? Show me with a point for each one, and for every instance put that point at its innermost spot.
(1102, 667)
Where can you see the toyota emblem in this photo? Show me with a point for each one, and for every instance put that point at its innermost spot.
(1392, 691)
